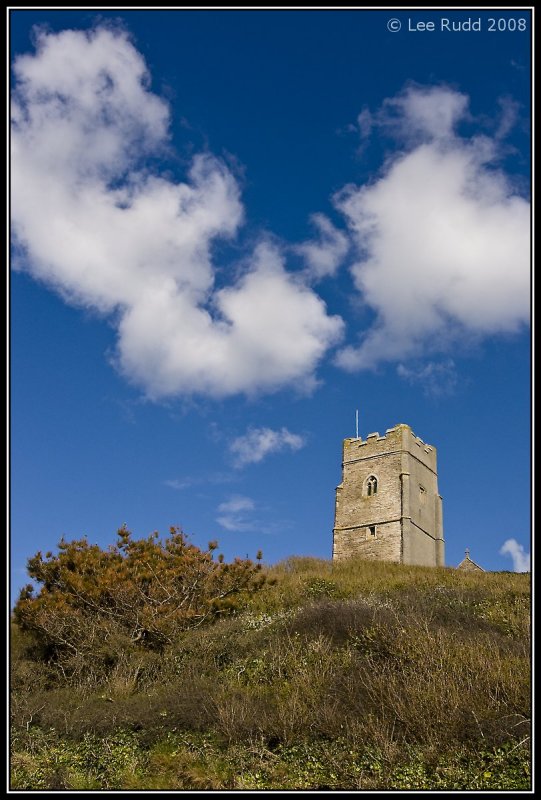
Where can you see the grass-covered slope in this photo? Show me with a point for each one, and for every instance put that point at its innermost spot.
(356, 675)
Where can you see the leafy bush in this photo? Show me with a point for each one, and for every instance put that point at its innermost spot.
(188, 761)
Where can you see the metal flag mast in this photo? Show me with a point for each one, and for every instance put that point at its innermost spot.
(357, 424)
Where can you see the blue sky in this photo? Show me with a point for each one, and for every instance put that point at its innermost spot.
(232, 229)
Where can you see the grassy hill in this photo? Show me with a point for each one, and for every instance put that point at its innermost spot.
(355, 675)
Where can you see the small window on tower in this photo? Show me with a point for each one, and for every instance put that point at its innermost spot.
(371, 485)
(371, 531)
(422, 494)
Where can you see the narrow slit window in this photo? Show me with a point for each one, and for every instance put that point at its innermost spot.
(371, 485)
(371, 531)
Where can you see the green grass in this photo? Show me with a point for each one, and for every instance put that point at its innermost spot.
(353, 675)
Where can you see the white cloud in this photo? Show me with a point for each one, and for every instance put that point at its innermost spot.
(233, 516)
(365, 123)
(239, 514)
(508, 116)
(179, 483)
(521, 559)
(442, 237)
(96, 225)
(237, 503)
(436, 377)
(423, 113)
(323, 256)
(257, 443)
(190, 481)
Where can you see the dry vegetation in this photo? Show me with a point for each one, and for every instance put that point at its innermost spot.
(354, 675)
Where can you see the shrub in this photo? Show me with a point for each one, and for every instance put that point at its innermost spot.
(384, 678)
(94, 606)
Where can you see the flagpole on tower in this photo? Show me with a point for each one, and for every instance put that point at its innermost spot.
(357, 424)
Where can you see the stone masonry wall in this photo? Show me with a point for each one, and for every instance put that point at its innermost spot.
(385, 546)
(406, 510)
(422, 538)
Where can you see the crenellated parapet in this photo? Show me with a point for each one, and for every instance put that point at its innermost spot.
(399, 438)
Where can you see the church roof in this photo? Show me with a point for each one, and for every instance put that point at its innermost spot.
(468, 564)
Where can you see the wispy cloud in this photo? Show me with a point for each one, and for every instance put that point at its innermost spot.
(93, 221)
(188, 481)
(521, 559)
(180, 483)
(323, 255)
(240, 514)
(441, 237)
(257, 443)
(508, 117)
(234, 514)
(436, 378)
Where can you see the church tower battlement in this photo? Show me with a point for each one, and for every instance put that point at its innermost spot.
(387, 506)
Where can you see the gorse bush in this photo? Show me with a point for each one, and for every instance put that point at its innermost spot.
(94, 605)
(344, 676)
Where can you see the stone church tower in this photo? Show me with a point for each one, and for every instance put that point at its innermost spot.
(387, 506)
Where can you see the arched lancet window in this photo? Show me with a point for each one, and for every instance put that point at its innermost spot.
(371, 485)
